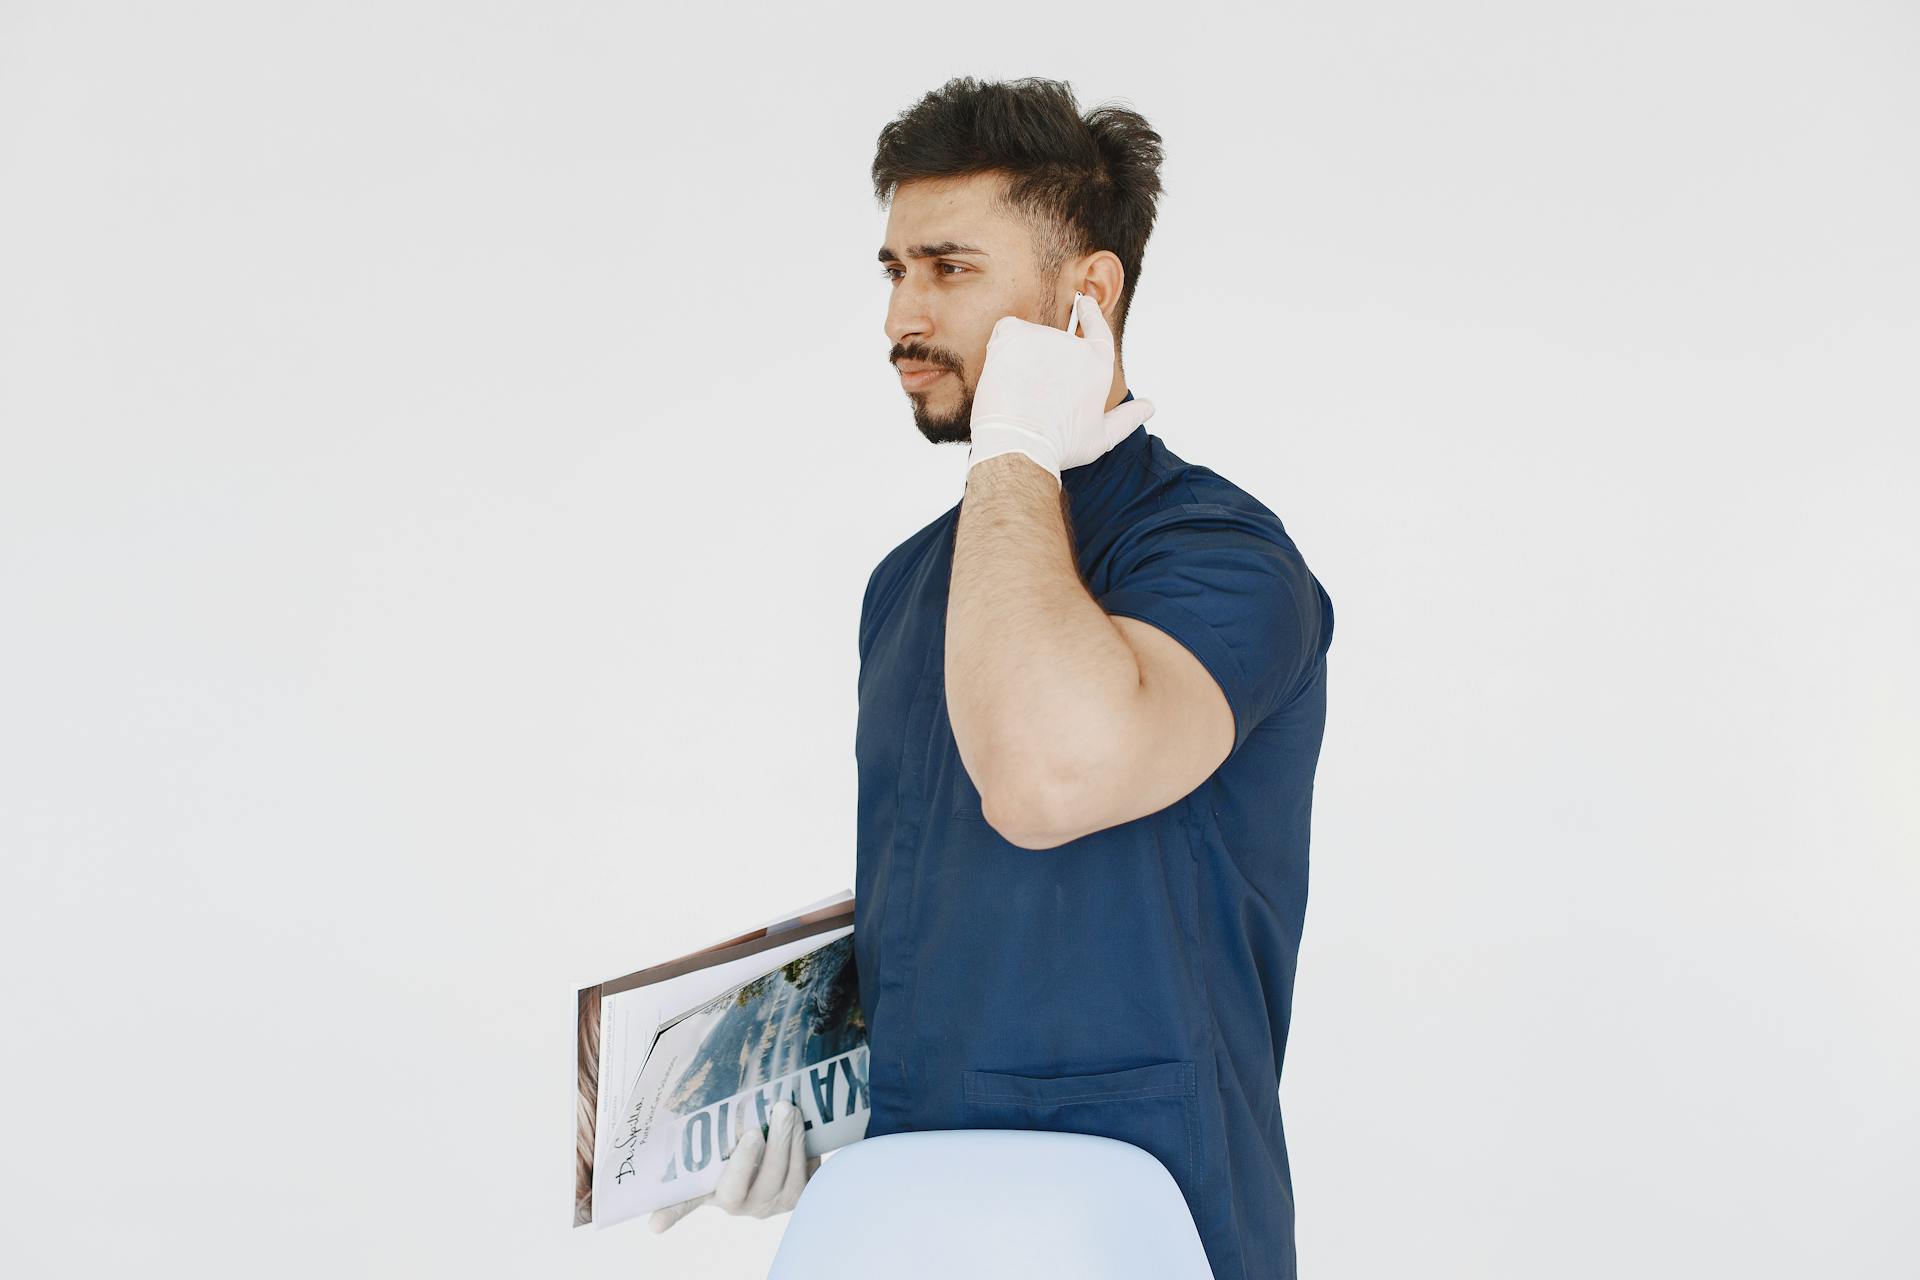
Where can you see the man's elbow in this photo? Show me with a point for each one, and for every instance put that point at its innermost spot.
(1035, 816)
(1051, 781)
(1026, 835)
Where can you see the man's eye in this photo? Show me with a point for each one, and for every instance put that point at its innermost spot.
(886, 273)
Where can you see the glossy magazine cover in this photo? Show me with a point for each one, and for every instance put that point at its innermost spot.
(677, 1092)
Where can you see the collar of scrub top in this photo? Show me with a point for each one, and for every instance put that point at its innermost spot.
(1076, 478)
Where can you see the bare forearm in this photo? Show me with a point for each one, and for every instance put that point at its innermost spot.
(1036, 671)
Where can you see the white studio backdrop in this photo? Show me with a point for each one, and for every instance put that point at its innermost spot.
(445, 445)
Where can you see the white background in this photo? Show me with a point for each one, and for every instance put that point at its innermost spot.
(445, 446)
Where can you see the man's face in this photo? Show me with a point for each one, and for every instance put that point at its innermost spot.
(944, 305)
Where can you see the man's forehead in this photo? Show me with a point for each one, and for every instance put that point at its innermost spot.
(946, 218)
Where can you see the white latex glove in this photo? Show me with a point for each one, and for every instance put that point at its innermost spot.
(764, 1175)
(1043, 392)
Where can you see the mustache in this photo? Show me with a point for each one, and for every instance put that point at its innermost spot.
(933, 358)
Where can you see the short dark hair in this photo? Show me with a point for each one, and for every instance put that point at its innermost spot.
(1081, 183)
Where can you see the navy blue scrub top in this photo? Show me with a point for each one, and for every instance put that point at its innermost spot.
(1135, 983)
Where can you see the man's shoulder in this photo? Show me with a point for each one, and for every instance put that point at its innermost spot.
(1205, 541)
(1174, 495)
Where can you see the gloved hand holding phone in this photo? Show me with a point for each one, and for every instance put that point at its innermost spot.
(1043, 392)
(765, 1174)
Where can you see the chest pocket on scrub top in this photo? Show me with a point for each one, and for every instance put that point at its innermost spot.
(1154, 1107)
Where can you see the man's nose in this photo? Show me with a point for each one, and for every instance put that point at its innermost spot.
(908, 316)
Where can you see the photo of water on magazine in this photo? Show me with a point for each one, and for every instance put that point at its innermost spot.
(806, 1011)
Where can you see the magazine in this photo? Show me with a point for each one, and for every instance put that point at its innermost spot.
(677, 1061)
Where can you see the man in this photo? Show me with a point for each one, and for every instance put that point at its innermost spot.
(1091, 698)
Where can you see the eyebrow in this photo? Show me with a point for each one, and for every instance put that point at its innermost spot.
(938, 249)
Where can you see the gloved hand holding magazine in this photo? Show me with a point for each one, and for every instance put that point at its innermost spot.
(765, 1174)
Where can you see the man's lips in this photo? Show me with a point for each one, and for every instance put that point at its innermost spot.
(913, 380)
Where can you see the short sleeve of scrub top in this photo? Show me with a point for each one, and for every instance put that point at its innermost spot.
(1227, 584)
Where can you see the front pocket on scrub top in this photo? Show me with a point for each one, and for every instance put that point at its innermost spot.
(1153, 1107)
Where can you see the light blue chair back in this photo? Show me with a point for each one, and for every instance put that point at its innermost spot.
(1005, 1204)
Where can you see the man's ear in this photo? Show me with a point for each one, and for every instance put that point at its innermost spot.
(1102, 276)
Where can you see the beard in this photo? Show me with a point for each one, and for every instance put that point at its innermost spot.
(945, 423)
